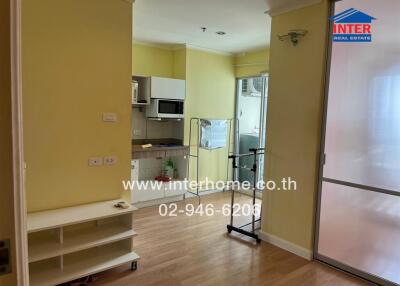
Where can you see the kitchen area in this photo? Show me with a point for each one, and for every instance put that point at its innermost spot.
(159, 155)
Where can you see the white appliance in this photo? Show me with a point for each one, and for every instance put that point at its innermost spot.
(252, 86)
(135, 92)
(165, 108)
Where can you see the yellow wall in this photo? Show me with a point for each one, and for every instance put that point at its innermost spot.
(210, 87)
(152, 61)
(77, 58)
(252, 63)
(6, 175)
(294, 123)
(179, 65)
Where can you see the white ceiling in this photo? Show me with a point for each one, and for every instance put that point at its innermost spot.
(173, 22)
(276, 7)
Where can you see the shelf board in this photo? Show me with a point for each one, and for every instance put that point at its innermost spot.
(164, 119)
(72, 215)
(40, 249)
(80, 265)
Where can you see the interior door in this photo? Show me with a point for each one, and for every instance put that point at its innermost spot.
(359, 200)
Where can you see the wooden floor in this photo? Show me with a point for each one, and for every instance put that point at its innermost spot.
(196, 250)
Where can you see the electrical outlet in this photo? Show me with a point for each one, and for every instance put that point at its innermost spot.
(109, 117)
(95, 161)
(137, 132)
(110, 160)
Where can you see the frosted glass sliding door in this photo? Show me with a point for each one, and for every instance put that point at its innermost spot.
(361, 229)
(359, 214)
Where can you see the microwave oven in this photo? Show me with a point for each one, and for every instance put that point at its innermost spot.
(165, 108)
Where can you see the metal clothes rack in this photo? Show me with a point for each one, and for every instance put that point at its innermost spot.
(197, 146)
(254, 152)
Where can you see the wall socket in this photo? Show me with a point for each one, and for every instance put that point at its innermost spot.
(109, 117)
(95, 161)
(110, 160)
(137, 132)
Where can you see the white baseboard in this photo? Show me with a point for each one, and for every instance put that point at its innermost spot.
(286, 245)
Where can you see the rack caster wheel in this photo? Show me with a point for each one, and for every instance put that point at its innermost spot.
(134, 265)
(258, 240)
(229, 229)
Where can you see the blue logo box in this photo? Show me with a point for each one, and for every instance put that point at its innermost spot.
(352, 38)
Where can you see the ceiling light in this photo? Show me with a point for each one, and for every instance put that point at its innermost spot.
(221, 33)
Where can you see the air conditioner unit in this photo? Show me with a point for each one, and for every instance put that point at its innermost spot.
(252, 86)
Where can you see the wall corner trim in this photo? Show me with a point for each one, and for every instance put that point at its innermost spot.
(286, 245)
(21, 243)
(294, 5)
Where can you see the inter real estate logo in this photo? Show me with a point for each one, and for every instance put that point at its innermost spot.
(352, 26)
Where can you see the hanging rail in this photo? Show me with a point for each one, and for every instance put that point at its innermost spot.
(197, 146)
(254, 152)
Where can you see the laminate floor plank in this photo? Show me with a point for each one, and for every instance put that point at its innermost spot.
(197, 251)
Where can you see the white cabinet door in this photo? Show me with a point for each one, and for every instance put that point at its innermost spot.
(134, 170)
(179, 189)
(147, 192)
(168, 88)
(134, 179)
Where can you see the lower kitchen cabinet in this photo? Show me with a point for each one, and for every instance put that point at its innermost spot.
(147, 191)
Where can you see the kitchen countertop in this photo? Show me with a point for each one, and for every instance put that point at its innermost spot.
(138, 148)
(161, 148)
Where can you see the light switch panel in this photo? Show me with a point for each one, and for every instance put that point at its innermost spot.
(110, 160)
(109, 117)
(95, 161)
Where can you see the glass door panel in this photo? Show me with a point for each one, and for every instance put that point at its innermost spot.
(251, 115)
(363, 134)
(361, 229)
(359, 211)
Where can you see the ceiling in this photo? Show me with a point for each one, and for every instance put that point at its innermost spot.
(276, 7)
(175, 22)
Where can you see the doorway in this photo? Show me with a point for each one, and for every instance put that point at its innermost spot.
(358, 227)
(250, 128)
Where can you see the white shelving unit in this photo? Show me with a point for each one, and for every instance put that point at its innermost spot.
(70, 243)
(144, 90)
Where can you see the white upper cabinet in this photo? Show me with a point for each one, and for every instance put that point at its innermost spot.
(168, 88)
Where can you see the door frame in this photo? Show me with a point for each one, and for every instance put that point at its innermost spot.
(21, 244)
(319, 257)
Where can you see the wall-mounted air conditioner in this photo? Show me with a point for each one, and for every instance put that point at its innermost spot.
(252, 86)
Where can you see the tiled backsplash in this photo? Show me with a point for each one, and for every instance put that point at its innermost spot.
(154, 129)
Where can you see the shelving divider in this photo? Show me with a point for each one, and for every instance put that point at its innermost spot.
(102, 239)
